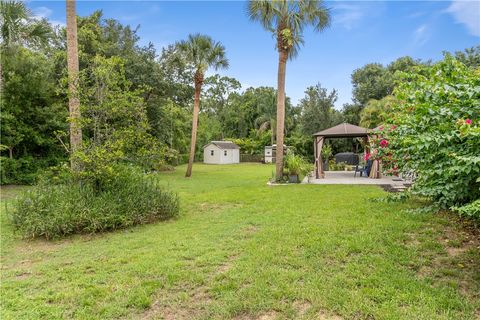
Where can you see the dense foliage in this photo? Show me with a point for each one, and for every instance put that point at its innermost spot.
(436, 133)
(54, 209)
(137, 102)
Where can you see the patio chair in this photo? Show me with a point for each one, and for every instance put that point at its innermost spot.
(363, 169)
(360, 169)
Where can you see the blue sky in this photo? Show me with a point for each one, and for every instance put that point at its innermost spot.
(361, 32)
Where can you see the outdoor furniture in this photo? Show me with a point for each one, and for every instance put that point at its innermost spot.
(360, 169)
(349, 158)
(363, 169)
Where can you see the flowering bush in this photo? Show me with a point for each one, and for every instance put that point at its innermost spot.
(380, 149)
(437, 133)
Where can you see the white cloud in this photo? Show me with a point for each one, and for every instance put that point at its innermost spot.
(421, 34)
(45, 13)
(350, 14)
(347, 15)
(41, 12)
(467, 13)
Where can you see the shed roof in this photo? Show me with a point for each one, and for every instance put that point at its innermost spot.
(343, 130)
(224, 144)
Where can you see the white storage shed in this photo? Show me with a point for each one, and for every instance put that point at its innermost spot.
(271, 152)
(221, 152)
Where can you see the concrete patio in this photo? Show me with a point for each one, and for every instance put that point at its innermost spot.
(347, 177)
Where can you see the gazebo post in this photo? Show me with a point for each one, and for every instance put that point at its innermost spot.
(318, 157)
(315, 156)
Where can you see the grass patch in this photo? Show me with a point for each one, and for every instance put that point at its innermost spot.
(243, 250)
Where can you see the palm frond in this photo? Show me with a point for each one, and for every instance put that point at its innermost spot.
(203, 52)
(295, 15)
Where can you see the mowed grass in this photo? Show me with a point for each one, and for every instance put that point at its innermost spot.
(243, 250)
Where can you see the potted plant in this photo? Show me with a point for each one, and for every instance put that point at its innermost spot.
(326, 154)
(296, 167)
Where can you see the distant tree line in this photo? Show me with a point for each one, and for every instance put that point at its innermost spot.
(138, 101)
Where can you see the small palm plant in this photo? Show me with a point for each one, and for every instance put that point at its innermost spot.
(296, 166)
(203, 53)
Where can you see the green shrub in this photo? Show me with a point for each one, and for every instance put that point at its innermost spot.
(435, 133)
(296, 165)
(471, 210)
(24, 170)
(333, 166)
(55, 210)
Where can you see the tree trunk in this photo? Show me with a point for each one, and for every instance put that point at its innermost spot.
(73, 98)
(273, 128)
(196, 111)
(282, 65)
(10, 152)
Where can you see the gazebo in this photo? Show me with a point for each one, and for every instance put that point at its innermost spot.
(344, 130)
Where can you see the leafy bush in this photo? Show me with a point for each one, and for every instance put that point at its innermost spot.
(326, 152)
(24, 170)
(333, 166)
(436, 132)
(55, 210)
(471, 210)
(296, 165)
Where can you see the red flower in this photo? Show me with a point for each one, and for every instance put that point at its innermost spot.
(468, 121)
(366, 156)
(384, 143)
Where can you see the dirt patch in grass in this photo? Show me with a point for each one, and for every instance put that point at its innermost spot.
(461, 259)
(23, 275)
(225, 267)
(217, 207)
(267, 315)
(195, 306)
(322, 315)
(301, 307)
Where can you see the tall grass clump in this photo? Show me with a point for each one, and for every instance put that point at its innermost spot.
(54, 209)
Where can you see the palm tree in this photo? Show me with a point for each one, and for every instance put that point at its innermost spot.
(202, 52)
(18, 27)
(73, 71)
(286, 19)
(267, 113)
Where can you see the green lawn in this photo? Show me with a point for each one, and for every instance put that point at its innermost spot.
(241, 249)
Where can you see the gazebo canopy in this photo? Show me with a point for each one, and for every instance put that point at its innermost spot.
(343, 130)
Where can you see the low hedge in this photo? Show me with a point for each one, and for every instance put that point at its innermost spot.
(56, 210)
(251, 158)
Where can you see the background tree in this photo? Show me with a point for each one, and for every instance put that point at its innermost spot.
(267, 112)
(286, 20)
(318, 110)
(470, 56)
(17, 28)
(202, 52)
(372, 81)
(73, 69)
(376, 112)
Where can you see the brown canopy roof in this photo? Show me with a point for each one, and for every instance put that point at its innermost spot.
(343, 130)
(224, 144)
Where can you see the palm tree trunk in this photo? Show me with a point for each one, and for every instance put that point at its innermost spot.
(273, 128)
(1, 80)
(73, 98)
(282, 66)
(196, 111)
